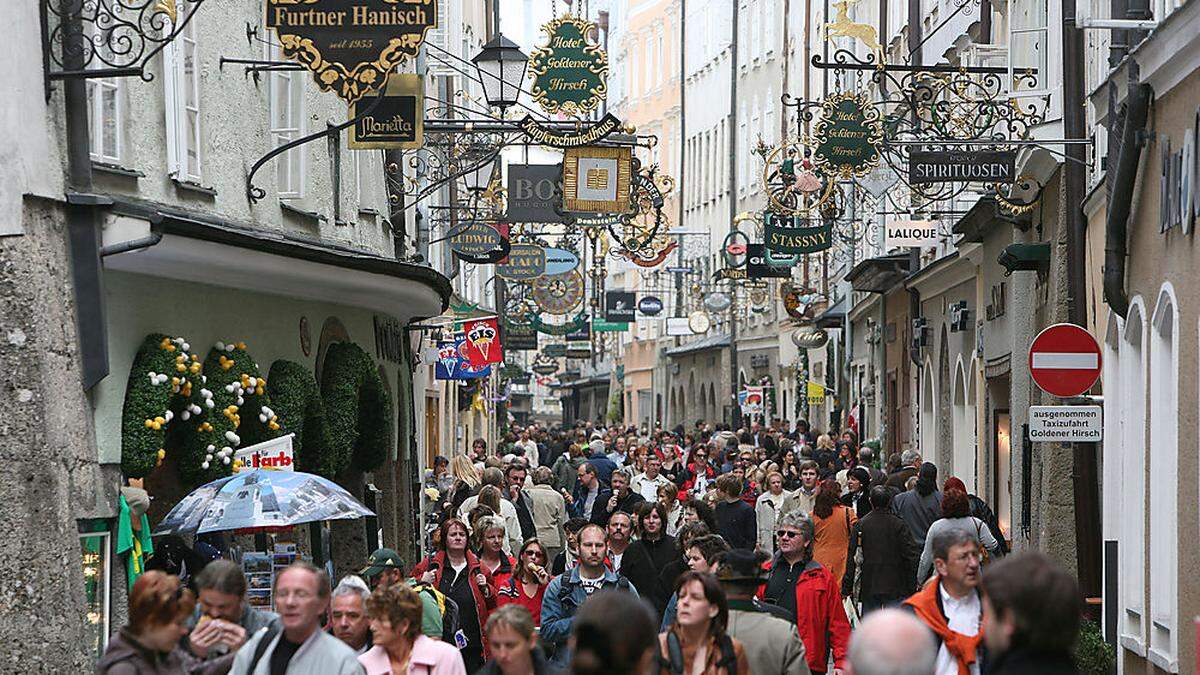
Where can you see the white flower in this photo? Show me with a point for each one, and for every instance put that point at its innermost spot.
(209, 403)
(204, 465)
(232, 438)
(185, 415)
(220, 346)
(211, 448)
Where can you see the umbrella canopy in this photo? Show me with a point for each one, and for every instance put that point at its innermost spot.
(261, 498)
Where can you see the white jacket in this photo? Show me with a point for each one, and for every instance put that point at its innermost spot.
(766, 509)
(321, 654)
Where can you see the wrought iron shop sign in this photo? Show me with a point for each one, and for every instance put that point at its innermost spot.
(572, 326)
(534, 194)
(597, 179)
(590, 135)
(525, 262)
(758, 268)
(810, 338)
(397, 121)
(520, 337)
(579, 350)
(350, 45)
(479, 243)
(796, 234)
(570, 71)
(961, 166)
(848, 136)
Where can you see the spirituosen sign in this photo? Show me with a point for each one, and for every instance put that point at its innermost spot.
(848, 136)
(543, 135)
(1066, 423)
(961, 166)
(796, 234)
(397, 121)
(350, 45)
(569, 73)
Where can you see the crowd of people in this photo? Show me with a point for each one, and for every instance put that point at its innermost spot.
(608, 550)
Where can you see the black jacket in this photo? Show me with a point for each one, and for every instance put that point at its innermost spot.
(541, 666)
(1021, 661)
(641, 565)
(980, 510)
(890, 556)
(737, 523)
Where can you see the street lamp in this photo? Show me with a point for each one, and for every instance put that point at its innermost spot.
(501, 65)
(479, 178)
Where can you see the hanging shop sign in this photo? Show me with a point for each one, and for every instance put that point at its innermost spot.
(717, 301)
(534, 194)
(776, 259)
(955, 166)
(396, 121)
(910, 234)
(751, 400)
(699, 322)
(650, 305)
(582, 334)
(815, 393)
(734, 249)
(848, 136)
(810, 338)
(649, 256)
(520, 337)
(619, 306)
(570, 72)
(597, 179)
(590, 135)
(525, 262)
(447, 365)
(480, 243)
(793, 302)
(483, 342)
(796, 234)
(555, 350)
(579, 350)
(571, 326)
(731, 274)
(678, 326)
(757, 267)
(350, 45)
(558, 294)
(560, 261)
(607, 326)
(544, 366)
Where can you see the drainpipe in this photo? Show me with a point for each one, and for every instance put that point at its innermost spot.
(1133, 137)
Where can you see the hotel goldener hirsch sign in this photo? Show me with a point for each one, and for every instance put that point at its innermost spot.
(569, 73)
(350, 45)
(847, 136)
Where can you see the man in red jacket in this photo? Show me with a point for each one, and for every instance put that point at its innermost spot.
(799, 583)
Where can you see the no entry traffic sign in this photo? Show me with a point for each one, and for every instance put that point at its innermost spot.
(1064, 360)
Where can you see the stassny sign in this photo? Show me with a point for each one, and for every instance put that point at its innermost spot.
(961, 166)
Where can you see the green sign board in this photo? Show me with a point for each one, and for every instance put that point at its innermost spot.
(795, 235)
(555, 350)
(601, 325)
(570, 71)
(571, 326)
(847, 136)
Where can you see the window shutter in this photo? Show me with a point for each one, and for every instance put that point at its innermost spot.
(172, 104)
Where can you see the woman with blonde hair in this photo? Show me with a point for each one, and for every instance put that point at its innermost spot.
(466, 481)
(768, 508)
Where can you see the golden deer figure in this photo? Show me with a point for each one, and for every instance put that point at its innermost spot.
(843, 26)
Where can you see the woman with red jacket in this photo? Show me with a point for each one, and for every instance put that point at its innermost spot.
(456, 572)
(698, 474)
(802, 586)
(527, 584)
(489, 533)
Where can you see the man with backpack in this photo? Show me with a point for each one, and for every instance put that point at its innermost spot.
(439, 614)
(568, 591)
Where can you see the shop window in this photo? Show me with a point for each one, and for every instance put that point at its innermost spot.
(286, 91)
(1132, 397)
(181, 84)
(1164, 460)
(96, 553)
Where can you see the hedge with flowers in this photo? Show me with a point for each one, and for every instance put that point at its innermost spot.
(358, 407)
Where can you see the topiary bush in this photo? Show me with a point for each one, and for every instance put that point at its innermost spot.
(161, 378)
(358, 408)
(296, 400)
(1093, 656)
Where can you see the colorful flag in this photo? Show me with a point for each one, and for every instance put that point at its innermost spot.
(447, 365)
(482, 342)
(466, 369)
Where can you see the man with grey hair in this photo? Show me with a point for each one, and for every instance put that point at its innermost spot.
(810, 592)
(949, 603)
(892, 642)
(910, 463)
(348, 613)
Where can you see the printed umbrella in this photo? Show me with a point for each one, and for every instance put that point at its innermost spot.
(260, 498)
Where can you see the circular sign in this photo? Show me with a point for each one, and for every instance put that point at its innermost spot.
(717, 302)
(699, 322)
(734, 249)
(558, 294)
(650, 305)
(477, 242)
(809, 338)
(1064, 360)
(560, 261)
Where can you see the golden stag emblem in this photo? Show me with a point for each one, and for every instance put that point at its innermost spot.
(844, 27)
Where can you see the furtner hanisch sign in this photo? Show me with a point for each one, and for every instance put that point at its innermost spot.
(961, 166)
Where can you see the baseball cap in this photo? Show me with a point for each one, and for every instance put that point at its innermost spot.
(383, 559)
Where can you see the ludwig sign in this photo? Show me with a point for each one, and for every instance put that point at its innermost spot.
(525, 262)
(479, 243)
(796, 235)
(848, 136)
(569, 72)
(396, 121)
(953, 166)
(350, 45)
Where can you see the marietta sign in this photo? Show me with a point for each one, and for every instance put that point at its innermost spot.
(350, 45)
(953, 166)
(569, 72)
(396, 121)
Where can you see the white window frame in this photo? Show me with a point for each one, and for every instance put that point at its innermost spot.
(293, 161)
(97, 89)
(1046, 67)
(1132, 564)
(177, 82)
(1164, 457)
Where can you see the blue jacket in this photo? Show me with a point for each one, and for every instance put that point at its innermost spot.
(561, 601)
(599, 507)
(604, 467)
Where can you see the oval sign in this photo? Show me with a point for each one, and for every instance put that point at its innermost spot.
(735, 248)
(699, 322)
(478, 242)
(560, 261)
(650, 305)
(525, 262)
(809, 338)
(717, 302)
(545, 368)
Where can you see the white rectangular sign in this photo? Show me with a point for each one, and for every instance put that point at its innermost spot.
(273, 454)
(678, 325)
(910, 234)
(1066, 423)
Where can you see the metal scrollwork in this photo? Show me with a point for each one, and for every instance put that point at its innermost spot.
(109, 38)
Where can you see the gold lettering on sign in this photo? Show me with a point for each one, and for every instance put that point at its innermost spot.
(597, 179)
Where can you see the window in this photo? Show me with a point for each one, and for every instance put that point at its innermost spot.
(1132, 568)
(743, 51)
(364, 163)
(1028, 43)
(1164, 457)
(181, 84)
(286, 90)
(104, 119)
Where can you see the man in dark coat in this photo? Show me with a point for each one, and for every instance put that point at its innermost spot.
(910, 464)
(736, 520)
(889, 556)
(1031, 610)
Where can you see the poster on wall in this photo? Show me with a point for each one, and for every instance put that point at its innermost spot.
(751, 400)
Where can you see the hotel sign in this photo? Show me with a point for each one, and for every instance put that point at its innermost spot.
(350, 45)
(961, 166)
(570, 71)
(848, 136)
(396, 121)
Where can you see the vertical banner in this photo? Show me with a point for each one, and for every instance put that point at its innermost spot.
(447, 365)
(751, 400)
(482, 346)
(466, 369)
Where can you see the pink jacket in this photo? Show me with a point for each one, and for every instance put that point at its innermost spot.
(429, 657)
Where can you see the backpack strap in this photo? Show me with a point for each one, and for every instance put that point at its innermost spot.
(728, 655)
(673, 661)
(261, 648)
